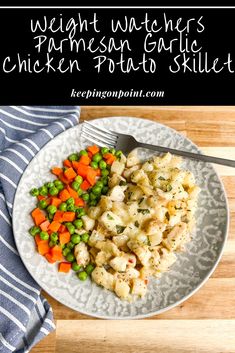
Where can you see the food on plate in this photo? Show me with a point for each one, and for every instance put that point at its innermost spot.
(115, 218)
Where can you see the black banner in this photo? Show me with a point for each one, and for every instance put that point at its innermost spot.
(129, 56)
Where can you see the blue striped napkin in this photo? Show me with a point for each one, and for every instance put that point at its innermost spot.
(25, 316)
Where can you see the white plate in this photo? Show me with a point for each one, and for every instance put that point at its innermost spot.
(192, 267)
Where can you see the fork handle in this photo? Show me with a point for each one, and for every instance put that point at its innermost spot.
(200, 157)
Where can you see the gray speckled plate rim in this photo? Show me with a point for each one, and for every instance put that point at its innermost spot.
(160, 311)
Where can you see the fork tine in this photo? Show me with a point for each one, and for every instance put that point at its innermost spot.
(95, 140)
(112, 134)
(99, 134)
(95, 136)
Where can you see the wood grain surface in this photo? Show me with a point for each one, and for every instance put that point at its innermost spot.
(206, 321)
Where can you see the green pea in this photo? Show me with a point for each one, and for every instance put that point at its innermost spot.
(118, 154)
(52, 209)
(59, 185)
(104, 172)
(112, 150)
(73, 157)
(78, 223)
(97, 157)
(96, 190)
(44, 235)
(94, 165)
(104, 180)
(70, 201)
(102, 164)
(71, 208)
(43, 191)
(53, 191)
(100, 184)
(70, 245)
(83, 153)
(92, 196)
(34, 192)
(89, 268)
(68, 224)
(75, 238)
(52, 243)
(50, 216)
(105, 189)
(63, 206)
(93, 203)
(49, 185)
(34, 231)
(85, 197)
(66, 251)
(42, 204)
(104, 150)
(54, 236)
(71, 228)
(80, 192)
(85, 237)
(75, 185)
(70, 257)
(75, 266)
(81, 212)
(82, 275)
(62, 246)
(79, 179)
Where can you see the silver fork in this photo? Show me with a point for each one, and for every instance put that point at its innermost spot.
(126, 143)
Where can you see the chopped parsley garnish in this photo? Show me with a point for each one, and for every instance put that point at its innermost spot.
(143, 210)
(168, 187)
(110, 217)
(167, 216)
(122, 183)
(161, 178)
(120, 229)
(141, 200)
(137, 224)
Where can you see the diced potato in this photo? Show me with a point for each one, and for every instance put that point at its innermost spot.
(116, 179)
(119, 263)
(94, 212)
(132, 159)
(88, 223)
(142, 252)
(139, 287)
(176, 236)
(109, 247)
(94, 237)
(140, 177)
(189, 179)
(167, 259)
(117, 167)
(120, 240)
(122, 289)
(147, 166)
(153, 226)
(110, 220)
(116, 193)
(82, 255)
(128, 171)
(133, 193)
(102, 258)
(103, 278)
(160, 162)
(155, 238)
(105, 203)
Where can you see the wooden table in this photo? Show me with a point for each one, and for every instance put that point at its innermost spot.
(206, 321)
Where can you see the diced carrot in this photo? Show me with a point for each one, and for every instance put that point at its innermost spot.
(49, 258)
(72, 192)
(81, 169)
(56, 171)
(58, 217)
(55, 201)
(64, 237)
(65, 267)
(98, 172)
(70, 173)
(64, 195)
(62, 228)
(67, 163)
(40, 197)
(54, 226)
(85, 160)
(37, 239)
(79, 202)
(63, 179)
(56, 253)
(91, 176)
(90, 155)
(93, 149)
(109, 157)
(85, 185)
(44, 225)
(69, 216)
(38, 216)
(43, 247)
